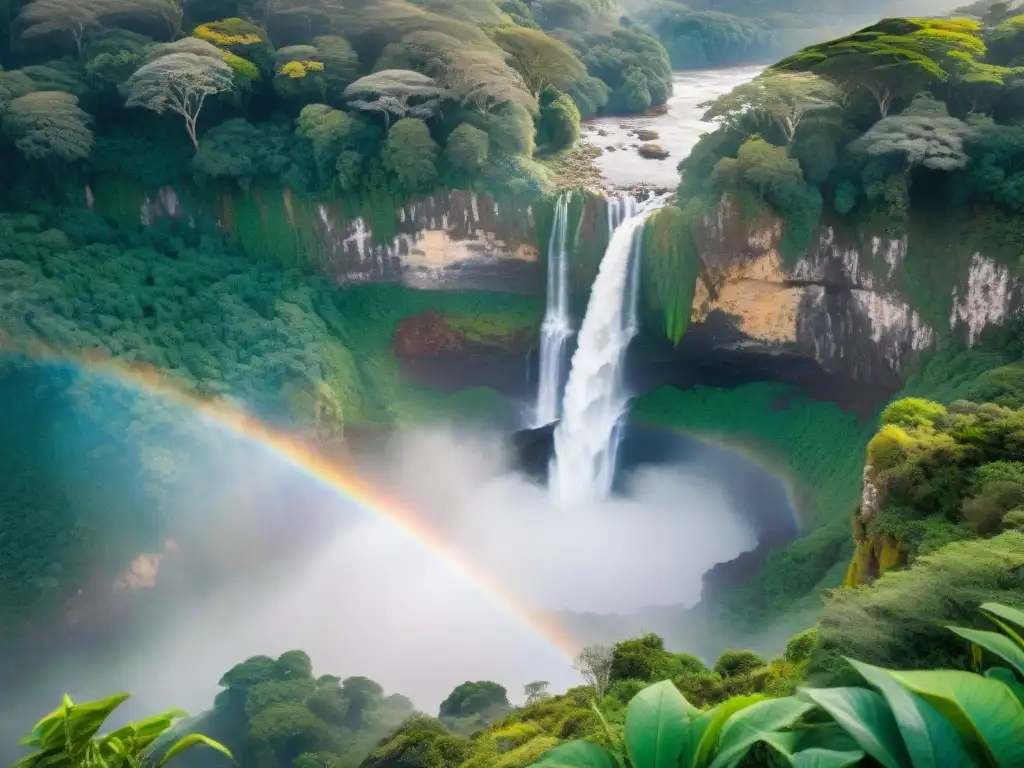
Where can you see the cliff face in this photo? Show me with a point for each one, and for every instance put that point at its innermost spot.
(453, 240)
(854, 309)
(448, 241)
(833, 304)
(850, 302)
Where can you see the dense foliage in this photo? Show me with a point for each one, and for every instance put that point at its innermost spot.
(720, 33)
(325, 98)
(744, 712)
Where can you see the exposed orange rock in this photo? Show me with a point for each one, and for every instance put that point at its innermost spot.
(426, 334)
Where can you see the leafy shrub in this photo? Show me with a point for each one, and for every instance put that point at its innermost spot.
(559, 125)
(732, 663)
(913, 412)
(410, 155)
(801, 646)
(466, 148)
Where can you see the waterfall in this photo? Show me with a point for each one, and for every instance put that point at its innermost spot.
(556, 329)
(587, 437)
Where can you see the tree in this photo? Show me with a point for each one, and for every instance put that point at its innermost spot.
(473, 72)
(48, 124)
(12, 85)
(341, 64)
(410, 155)
(634, 91)
(483, 697)
(615, 56)
(179, 82)
(394, 91)
(884, 60)
(467, 148)
(536, 691)
(304, 15)
(170, 12)
(363, 697)
(778, 98)
(594, 663)
(66, 738)
(559, 123)
(237, 149)
(299, 75)
(541, 60)
(72, 17)
(923, 134)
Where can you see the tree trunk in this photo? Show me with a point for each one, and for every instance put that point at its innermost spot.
(190, 126)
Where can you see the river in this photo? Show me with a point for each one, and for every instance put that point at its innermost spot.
(678, 129)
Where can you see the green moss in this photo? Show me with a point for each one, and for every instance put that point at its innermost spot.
(497, 324)
(671, 265)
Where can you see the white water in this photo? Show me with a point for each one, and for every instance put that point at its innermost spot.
(587, 437)
(556, 330)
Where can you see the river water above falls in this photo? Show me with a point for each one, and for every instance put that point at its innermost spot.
(678, 129)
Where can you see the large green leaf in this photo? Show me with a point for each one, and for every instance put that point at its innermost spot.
(984, 710)
(702, 736)
(657, 720)
(145, 732)
(1006, 613)
(931, 740)
(751, 724)
(576, 754)
(828, 736)
(825, 758)
(197, 739)
(84, 720)
(993, 642)
(1007, 678)
(866, 717)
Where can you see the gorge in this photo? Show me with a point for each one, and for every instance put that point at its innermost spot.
(402, 364)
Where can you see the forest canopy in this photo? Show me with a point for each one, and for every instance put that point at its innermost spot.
(76, 77)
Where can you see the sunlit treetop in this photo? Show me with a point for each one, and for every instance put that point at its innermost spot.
(232, 31)
(300, 68)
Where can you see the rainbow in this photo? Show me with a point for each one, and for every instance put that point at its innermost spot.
(343, 482)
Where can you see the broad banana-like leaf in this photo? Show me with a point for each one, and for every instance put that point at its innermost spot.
(84, 720)
(825, 758)
(751, 724)
(867, 718)
(702, 737)
(576, 754)
(1006, 613)
(194, 740)
(145, 732)
(657, 720)
(49, 759)
(828, 736)
(1008, 630)
(1007, 678)
(985, 711)
(45, 733)
(930, 739)
(993, 642)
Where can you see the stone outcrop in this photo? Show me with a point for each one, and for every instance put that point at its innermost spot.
(438, 354)
(990, 296)
(454, 240)
(834, 304)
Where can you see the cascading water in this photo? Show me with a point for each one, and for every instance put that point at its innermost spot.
(556, 329)
(587, 437)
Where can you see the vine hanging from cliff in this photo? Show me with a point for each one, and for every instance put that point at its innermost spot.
(671, 266)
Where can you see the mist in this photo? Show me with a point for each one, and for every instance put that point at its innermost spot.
(365, 599)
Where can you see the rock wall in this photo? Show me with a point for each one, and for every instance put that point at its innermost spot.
(456, 240)
(843, 302)
(451, 240)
